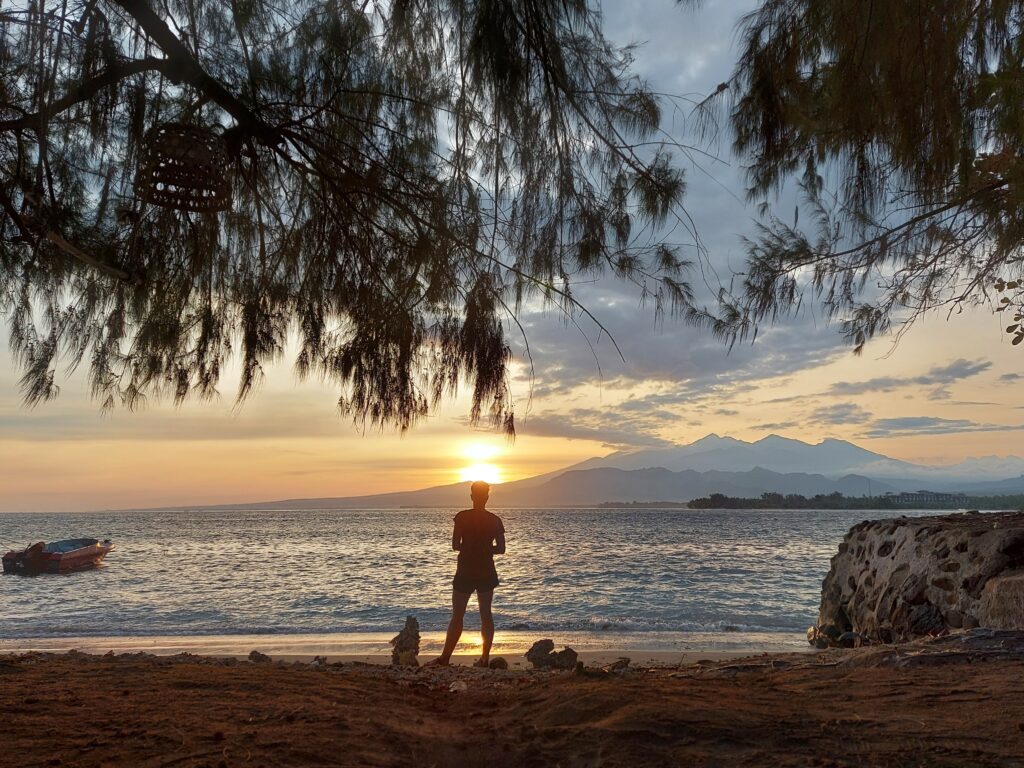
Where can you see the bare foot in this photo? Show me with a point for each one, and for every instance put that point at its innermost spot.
(438, 662)
(481, 663)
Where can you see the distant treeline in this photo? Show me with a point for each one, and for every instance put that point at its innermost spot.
(838, 501)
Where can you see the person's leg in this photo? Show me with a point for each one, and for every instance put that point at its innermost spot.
(459, 600)
(486, 625)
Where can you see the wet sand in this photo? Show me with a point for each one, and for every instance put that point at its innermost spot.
(952, 702)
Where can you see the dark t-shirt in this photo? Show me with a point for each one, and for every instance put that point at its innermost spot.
(478, 529)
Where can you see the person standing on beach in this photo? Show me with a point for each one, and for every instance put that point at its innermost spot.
(479, 535)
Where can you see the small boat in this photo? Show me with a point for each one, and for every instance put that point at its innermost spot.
(57, 556)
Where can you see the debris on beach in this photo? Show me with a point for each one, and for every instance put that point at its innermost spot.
(405, 646)
(542, 655)
(258, 658)
(618, 665)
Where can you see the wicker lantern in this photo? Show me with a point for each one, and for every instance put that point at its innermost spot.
(184, 167)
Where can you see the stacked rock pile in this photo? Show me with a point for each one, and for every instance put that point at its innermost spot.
(405, 646)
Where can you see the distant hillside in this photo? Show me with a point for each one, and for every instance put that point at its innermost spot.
(593, 486)
(995, 487)
(832, 458)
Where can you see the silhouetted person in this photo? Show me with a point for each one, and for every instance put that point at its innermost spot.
(479, 535)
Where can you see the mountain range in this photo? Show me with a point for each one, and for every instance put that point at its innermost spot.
(712, 464)
(829, 457)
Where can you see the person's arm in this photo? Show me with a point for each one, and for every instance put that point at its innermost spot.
(457, 537)
(499, 541)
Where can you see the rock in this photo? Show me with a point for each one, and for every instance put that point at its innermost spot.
(459, 686)
(831, 633)
(540, 653)
(258, 658)
(408, 659)
(542, 656)
(816, 638)
(318, 661)
(564, 659)
(899, 579)
(925, 619)
(848, 640)
(617, 666)
(498, 663)
(1002, 601)
(405, 646)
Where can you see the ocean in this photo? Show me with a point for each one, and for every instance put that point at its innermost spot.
(626, 575)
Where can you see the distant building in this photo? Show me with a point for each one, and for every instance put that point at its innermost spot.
(926, 497)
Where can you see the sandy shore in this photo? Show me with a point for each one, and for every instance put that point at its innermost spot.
(648, 648)
(952, 702)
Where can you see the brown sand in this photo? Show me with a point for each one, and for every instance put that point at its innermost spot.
(944, 707)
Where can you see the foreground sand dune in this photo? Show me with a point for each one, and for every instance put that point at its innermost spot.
(955, 702)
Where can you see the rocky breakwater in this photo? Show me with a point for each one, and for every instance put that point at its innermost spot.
(895, 580)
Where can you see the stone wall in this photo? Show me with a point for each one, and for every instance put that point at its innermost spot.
(894, 580)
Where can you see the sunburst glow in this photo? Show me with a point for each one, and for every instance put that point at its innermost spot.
(489, 473)
(481, 464)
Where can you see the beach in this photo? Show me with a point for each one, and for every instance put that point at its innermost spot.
(949, 702)
(652, 648)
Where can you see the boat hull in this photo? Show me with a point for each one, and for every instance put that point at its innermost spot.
(58, 557)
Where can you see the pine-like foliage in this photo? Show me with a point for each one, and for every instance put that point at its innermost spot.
(406, 176)
(903, 125)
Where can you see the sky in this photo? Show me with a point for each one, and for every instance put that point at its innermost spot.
(948, 391)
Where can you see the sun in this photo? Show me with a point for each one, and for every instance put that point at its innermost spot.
(489, 473)
(480, 456)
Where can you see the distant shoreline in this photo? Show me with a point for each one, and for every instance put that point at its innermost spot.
(983, 504)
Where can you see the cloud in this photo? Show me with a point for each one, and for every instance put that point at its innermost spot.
(775, 426)
(1009, 378)
(938, 376)
(840, 413)
(683, 360)
(590, 424)
(906, 426)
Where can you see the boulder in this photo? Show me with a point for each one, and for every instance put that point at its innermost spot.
(817, 638)
(1002, 601)
(542, 656)
(849, 640)
(540, 653)
(564, 659)
(498, 663)
(258, 658)
(896, 580)
(405, 646)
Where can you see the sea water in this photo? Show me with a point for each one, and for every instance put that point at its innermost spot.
(623, 574)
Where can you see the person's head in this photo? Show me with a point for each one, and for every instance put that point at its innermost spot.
(479, 492)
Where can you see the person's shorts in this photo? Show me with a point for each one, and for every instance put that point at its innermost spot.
(468, 586)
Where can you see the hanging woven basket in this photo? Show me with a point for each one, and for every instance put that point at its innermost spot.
(184, 167)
